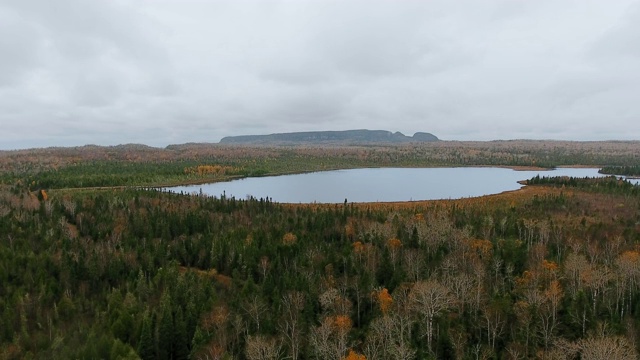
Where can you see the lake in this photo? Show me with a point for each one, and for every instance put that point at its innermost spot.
(379, 184)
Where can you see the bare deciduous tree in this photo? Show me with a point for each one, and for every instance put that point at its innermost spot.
(413, 262)
(290, 326)
(599, 348)
(461, 286)
(264, 266)
(379, 338)
(388, 339)
(255, 307)
(458, 341)
(333, 302)
(628, 269)
(428, 299)
(262, 348)
(70, 206)
(574, 267)
(402, 351)
(330, 339)
(494, 321)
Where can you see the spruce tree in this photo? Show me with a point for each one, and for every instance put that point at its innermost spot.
(146, 343)
(181, 342)
(165, 330)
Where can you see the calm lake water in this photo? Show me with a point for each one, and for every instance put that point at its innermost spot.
(379, 184)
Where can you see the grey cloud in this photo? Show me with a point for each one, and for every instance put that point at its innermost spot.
(171, 71)
(20, 47)
(621, 41)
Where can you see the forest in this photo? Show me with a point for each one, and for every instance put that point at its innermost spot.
(95, 264)
(140, 165)
(621, 170)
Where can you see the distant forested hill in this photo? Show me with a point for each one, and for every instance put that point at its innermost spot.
(324, 137)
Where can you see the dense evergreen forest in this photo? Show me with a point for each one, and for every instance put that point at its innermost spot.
(551, 271)
(621, 170)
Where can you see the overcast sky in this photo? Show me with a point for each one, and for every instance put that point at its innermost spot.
(159, 72)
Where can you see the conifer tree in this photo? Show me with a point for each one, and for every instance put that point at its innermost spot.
(165, 329)
(181, 342)
(146, 343)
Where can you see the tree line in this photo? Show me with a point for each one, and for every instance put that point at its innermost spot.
(630, 170)
(139, 165)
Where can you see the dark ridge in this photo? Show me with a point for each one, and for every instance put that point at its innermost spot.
(330, 137)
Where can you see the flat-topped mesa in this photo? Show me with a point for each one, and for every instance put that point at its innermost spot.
(330, 137)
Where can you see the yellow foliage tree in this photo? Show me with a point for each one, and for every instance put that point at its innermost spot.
(354, 356)
(289, 239)
(482, 247)
(629, 259)
(394, 243)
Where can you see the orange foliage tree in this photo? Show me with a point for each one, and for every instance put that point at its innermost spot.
(354, 356)
(385, 300)
(358, 247)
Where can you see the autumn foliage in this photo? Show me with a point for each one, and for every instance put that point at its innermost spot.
(202, 170)
(354, 356)
(384, 300)
(544, 272)
(358, 247)
(342, 323)
(289, 239)
(394, 243)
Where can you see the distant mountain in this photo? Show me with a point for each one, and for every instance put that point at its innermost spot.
(329, 137)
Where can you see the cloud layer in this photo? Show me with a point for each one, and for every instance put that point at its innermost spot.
(158, 72)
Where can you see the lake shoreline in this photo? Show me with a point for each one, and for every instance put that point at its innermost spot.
(380, 185)
(203, 181)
